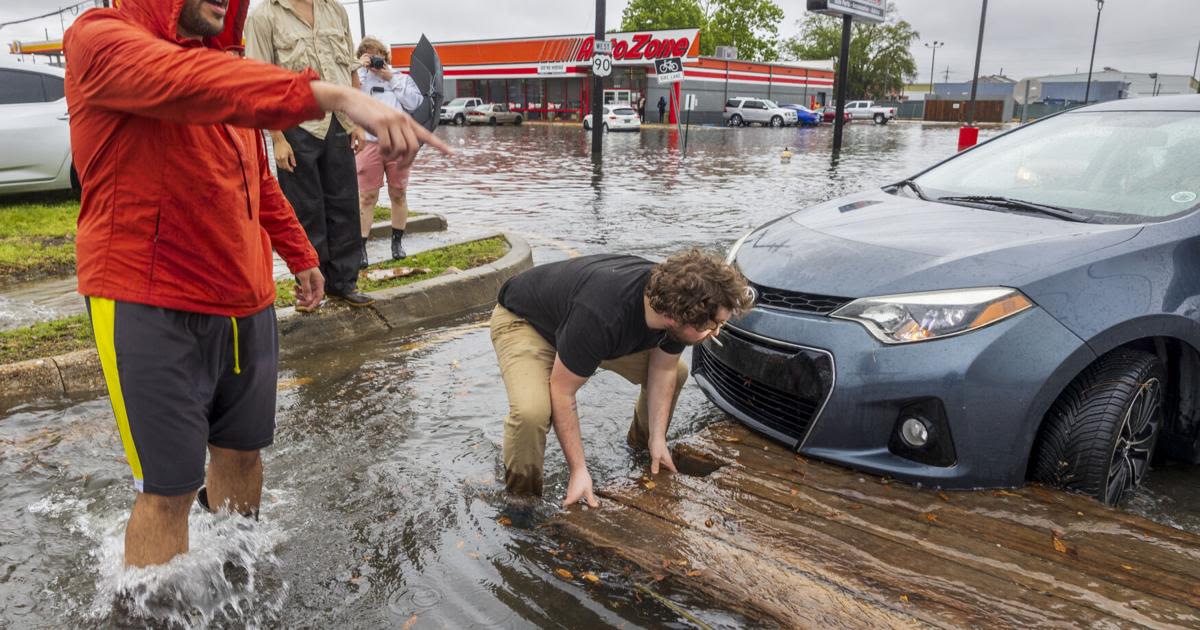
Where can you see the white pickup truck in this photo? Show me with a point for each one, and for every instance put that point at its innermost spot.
(866, 110)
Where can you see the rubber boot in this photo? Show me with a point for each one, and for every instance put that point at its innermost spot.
(398, 252)
(362, 264)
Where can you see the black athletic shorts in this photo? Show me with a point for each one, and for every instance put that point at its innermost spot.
(180, 381)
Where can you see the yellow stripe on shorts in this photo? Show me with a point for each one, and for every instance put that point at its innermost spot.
(104, 314)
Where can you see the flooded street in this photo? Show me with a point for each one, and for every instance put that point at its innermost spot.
(383, 502)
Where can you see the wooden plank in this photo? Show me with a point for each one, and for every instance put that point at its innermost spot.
(793, 542)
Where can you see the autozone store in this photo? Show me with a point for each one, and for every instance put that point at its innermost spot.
(549, 78)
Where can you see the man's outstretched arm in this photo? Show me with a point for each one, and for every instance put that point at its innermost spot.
(565, 416)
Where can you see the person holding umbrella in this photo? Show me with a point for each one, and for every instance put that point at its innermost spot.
(398, 91)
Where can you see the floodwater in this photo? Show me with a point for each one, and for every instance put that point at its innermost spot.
(382, 505)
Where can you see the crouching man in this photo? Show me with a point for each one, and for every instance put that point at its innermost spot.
(556, 324)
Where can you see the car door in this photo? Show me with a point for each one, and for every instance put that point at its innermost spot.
(755, 112)
(35, 137)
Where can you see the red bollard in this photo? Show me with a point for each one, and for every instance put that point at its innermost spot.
(968, 137)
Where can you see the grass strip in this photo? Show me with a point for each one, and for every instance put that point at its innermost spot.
(37, 237)
(462, 256)
(46, 339)
(385, 214)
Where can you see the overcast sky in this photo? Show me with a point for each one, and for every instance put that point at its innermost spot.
(1023, 38)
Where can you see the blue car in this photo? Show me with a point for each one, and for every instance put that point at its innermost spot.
(1027, 309)
(804, 116)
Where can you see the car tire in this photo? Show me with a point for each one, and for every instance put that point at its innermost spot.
(880, 119)
(736, 121)
(460, 120)
(776, 121)
(517, 121)
(605, 127)
(492, 121)
(587, 126)
(1099, 436)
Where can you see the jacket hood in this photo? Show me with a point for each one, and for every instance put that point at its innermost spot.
(161, 17)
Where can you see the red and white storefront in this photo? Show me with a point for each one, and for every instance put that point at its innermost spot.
(550, 77)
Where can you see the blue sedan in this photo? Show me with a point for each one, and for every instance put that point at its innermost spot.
(1027, 309)
(804, 116)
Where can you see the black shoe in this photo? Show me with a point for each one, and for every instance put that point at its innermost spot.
(202, 498)
(364, 262)
(398, 252)
(356, 299)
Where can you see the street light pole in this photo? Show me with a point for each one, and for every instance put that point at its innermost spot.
(1088, 92)
(933, 62)
(978, 54)
(362, 19)
(1195, 66)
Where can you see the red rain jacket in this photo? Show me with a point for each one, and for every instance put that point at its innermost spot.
(179, 207)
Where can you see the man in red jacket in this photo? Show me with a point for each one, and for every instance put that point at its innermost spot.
(178, 218)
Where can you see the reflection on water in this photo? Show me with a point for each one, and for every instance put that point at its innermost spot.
(383, 505)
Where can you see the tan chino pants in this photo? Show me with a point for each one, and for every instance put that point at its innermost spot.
(526, 360)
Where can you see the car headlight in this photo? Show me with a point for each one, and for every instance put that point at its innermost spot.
(914, 317)
(733, 251)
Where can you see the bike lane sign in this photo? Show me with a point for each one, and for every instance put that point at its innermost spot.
(669, 70)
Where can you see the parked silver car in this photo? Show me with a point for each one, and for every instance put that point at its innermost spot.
(492, 114)
(741, 111)
(35, 139)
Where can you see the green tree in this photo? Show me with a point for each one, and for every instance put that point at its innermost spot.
(750, 25)
(880, 60)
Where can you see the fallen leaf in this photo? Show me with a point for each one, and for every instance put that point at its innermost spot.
(856, 507)
(932, 518)
(591, 578)
(650, 485)
(658, 577)
(682, 563)
(942, 496)
(505, 521)
(1004, 493)
(472, 555)
(666, 564)
(454, 365)
(693, 573)
(1079, 514)
(794, 491)
(460, 544)
(1126, 567)
(568, 557)
(1059, 545)
(904, 598)
(564, 574)
(412, 621)
(708, 522)
(732, 440)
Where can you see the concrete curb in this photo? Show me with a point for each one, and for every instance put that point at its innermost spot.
(396, 310)
(416, 225)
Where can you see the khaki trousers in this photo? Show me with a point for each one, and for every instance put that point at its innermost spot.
(526, 360)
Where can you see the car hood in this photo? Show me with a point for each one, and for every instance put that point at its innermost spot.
(876, 243)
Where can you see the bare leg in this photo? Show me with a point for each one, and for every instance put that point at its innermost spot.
(158, 529)
(366, 210)
(399, 198)
(234, 480)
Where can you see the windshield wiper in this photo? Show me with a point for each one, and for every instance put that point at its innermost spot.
(1019, 204)
(914, 186)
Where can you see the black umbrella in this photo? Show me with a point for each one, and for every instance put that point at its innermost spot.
(426, 71)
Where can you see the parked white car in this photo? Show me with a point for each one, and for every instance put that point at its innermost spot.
(456, 110)
(741, 111)
(867, 110)
(35, 137)
(617, 118)
(493, 114)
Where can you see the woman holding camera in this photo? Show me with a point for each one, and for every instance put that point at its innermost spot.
(396, 90)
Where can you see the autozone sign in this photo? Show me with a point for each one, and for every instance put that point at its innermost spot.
(638, 48)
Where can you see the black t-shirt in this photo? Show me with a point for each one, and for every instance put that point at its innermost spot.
(589, 308)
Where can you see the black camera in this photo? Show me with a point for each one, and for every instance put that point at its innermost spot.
(377, 62)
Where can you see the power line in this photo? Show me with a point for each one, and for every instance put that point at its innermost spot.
(50, 14)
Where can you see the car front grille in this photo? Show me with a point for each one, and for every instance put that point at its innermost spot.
(778, 410)
(799, 302)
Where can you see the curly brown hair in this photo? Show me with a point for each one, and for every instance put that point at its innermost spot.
(370, 45)
(692, 288)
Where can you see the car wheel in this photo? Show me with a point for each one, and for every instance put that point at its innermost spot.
(605, 127)
(776, 121)
(492, 121)
(880, 119)
(1099, 435)
(76, 187)
(735, 121)
(517, 121)
(459, 119)
(587, 126)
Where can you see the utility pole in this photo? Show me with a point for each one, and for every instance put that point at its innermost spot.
(598, 95)
(947, 80)
(1088, 92)
(978, 54)
(1196, 66)
(362, 21)
(934, 45)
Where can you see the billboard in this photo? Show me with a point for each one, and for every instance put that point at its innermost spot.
(862, 10)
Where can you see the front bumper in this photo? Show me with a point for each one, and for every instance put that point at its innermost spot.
(828, 389)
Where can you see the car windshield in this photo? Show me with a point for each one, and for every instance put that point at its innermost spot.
(624, 111)
(1116, 167)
